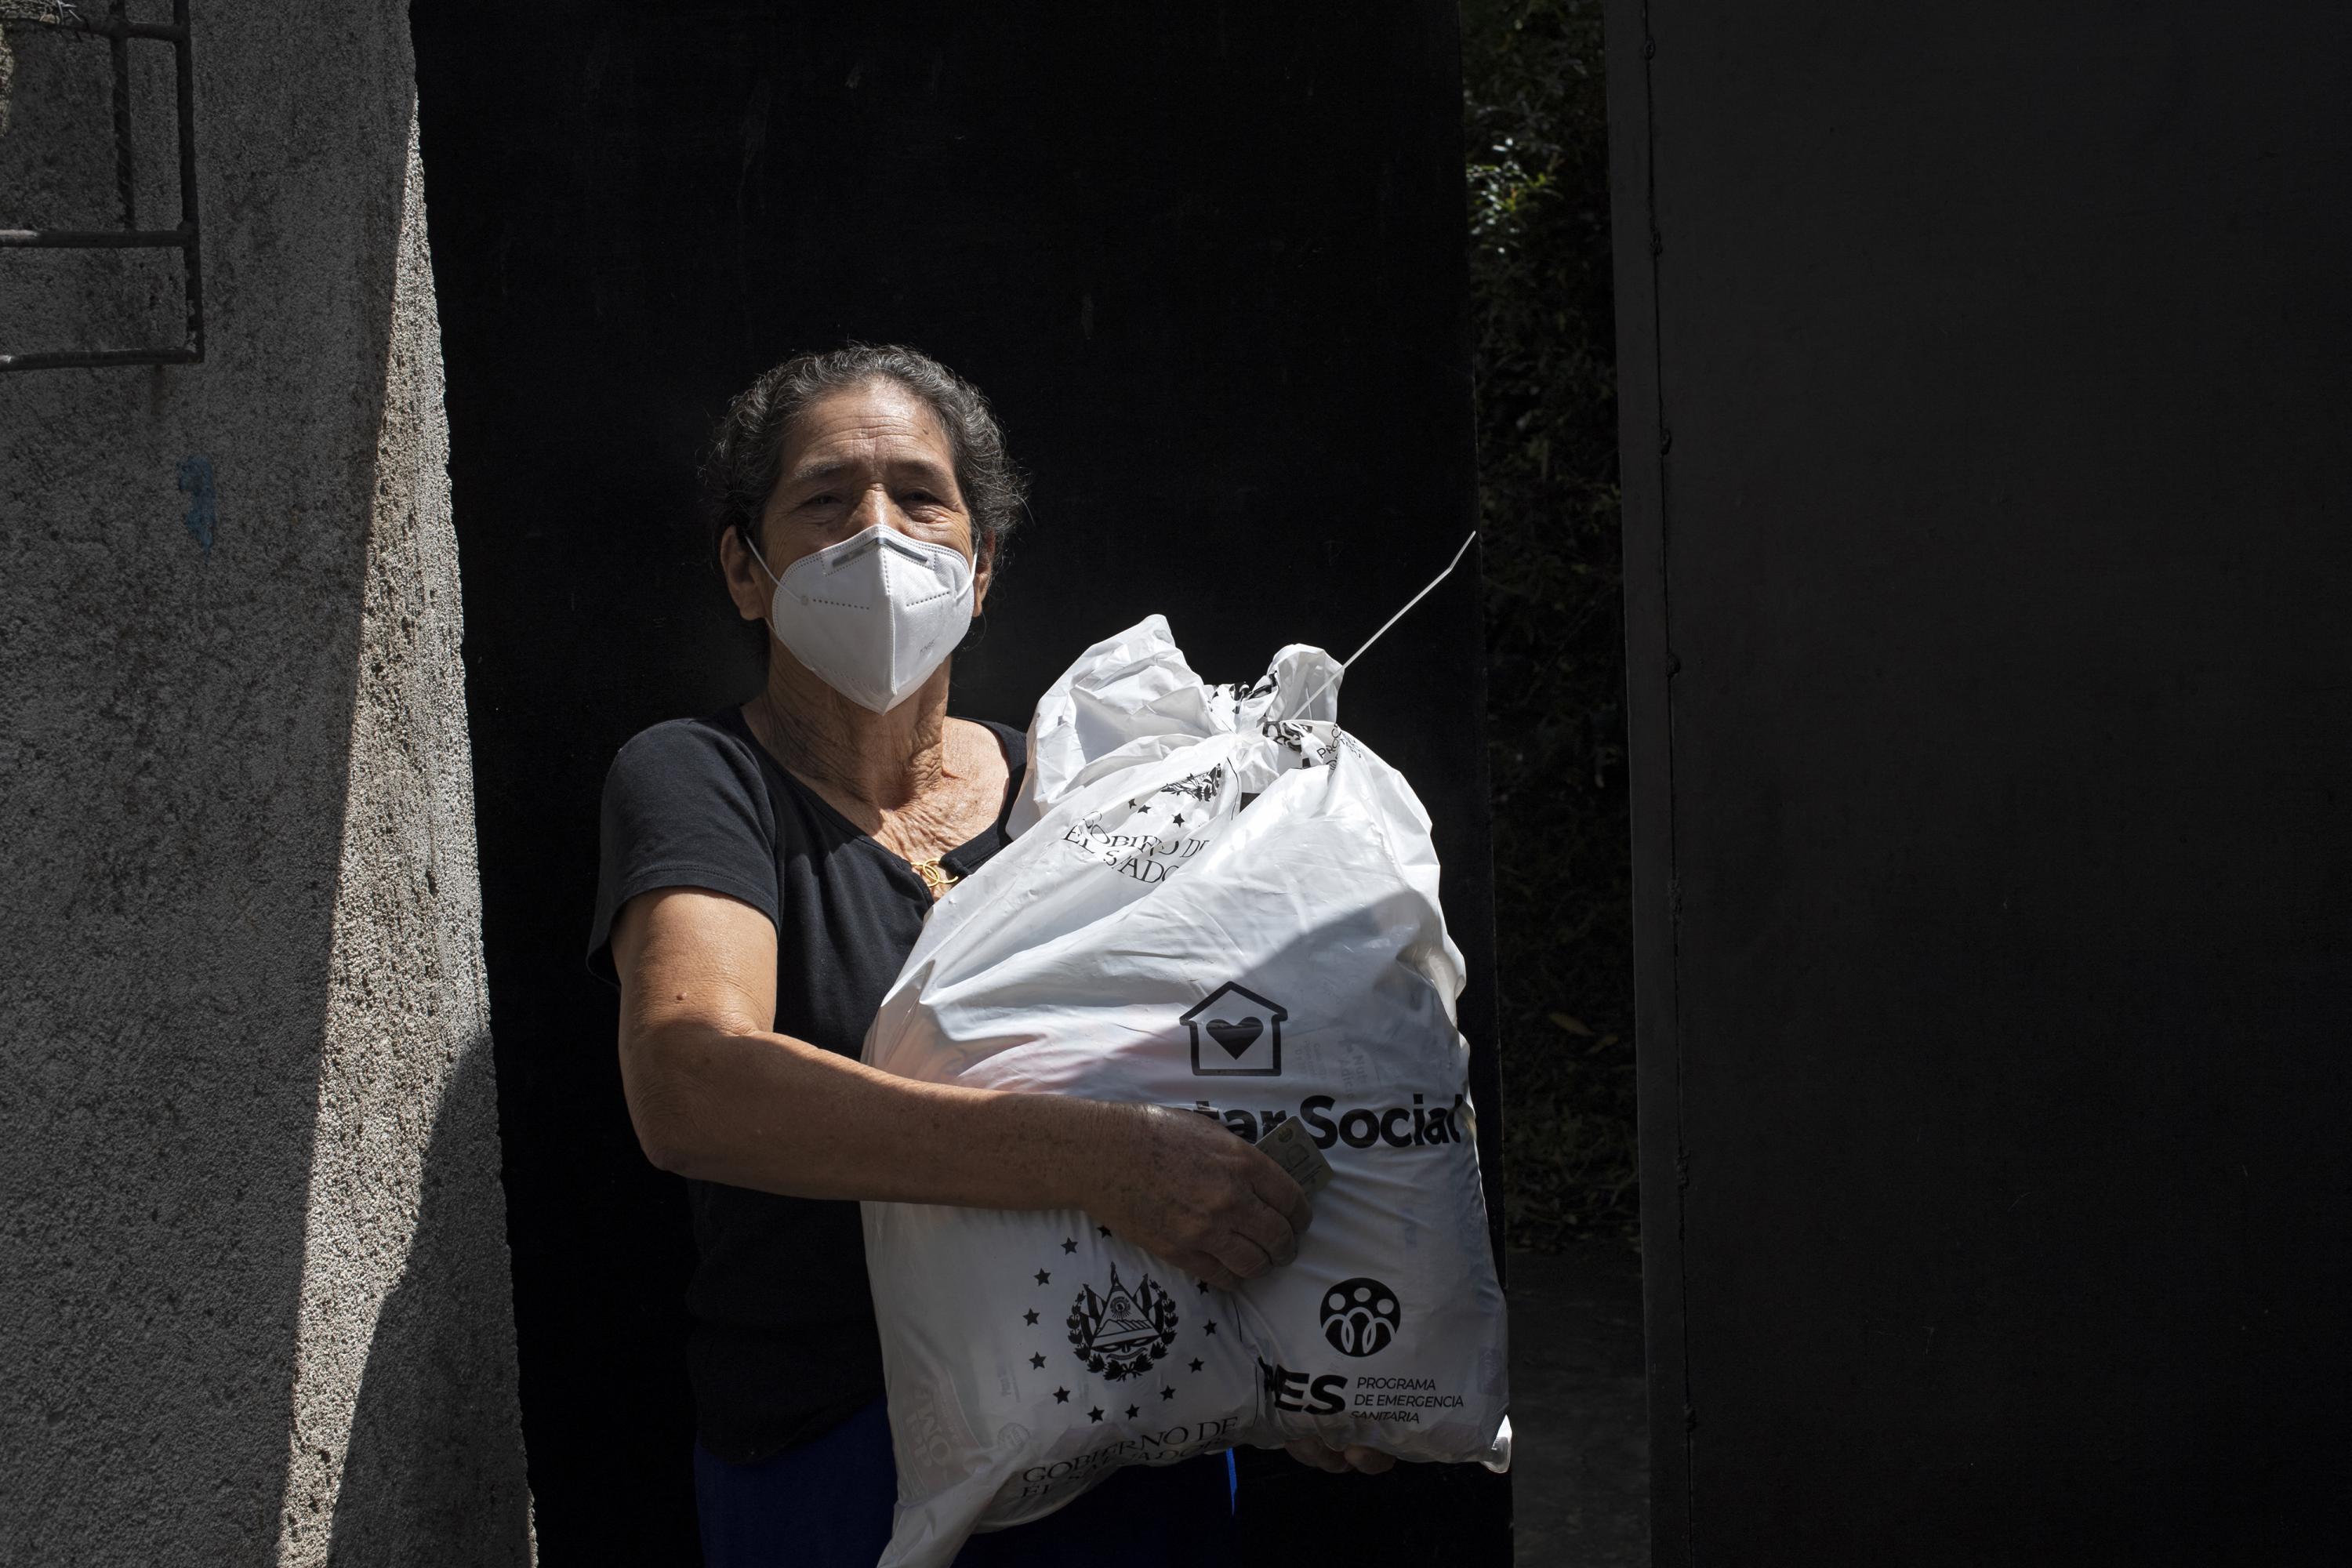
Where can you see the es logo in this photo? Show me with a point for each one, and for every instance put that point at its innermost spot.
(1236, 1034)
(1360, 1317)
(1296, 1391)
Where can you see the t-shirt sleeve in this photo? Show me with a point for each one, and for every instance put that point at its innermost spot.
(684, 807)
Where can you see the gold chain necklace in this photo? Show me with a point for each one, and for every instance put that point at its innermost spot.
(937, 878)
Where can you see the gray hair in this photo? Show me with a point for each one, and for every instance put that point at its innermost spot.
(740, 470)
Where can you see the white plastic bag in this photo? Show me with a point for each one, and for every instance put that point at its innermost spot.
(1219, 901)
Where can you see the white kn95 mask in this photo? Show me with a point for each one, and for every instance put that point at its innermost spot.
(873, 616)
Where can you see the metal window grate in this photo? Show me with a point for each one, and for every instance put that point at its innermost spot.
(120, 32)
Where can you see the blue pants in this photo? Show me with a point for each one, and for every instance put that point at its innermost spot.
(826, 1504)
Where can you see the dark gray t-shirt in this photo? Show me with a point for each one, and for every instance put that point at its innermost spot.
(783, 1342)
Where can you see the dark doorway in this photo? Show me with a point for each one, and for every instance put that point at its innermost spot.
(1209, 263)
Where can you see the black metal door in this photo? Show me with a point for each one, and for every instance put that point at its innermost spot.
(1989, 527)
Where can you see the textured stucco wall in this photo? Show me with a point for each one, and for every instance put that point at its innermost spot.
(253, 1268)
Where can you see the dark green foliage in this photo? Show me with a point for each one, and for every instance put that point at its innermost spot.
(1543, 354)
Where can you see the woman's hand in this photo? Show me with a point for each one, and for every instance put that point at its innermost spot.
(1340, 1461)
(1178, 1184)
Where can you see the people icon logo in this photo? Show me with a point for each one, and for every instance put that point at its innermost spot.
(1360, 1317)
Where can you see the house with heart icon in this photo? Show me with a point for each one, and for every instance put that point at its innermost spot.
(1236, 1033)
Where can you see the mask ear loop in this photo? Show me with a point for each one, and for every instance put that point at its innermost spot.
(1409, 603)
(752, 545)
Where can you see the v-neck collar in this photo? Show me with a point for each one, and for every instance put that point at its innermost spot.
(1016, 764)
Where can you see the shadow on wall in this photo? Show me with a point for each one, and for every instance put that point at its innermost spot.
(415, 1486)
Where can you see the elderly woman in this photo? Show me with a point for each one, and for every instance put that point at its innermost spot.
(765, 872)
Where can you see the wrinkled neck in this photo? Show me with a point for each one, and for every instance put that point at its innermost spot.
(882, 760)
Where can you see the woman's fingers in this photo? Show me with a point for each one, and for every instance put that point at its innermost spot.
(1314, 1454)
(1285, 1197)
(1353, 1458)
(1269, 1210)
(1246, 1257)
(1206, 1269)
(1271, 1232)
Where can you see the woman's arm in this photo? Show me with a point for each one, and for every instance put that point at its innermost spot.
(716, 1094)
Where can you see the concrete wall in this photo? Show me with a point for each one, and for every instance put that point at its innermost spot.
(253, 1264)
